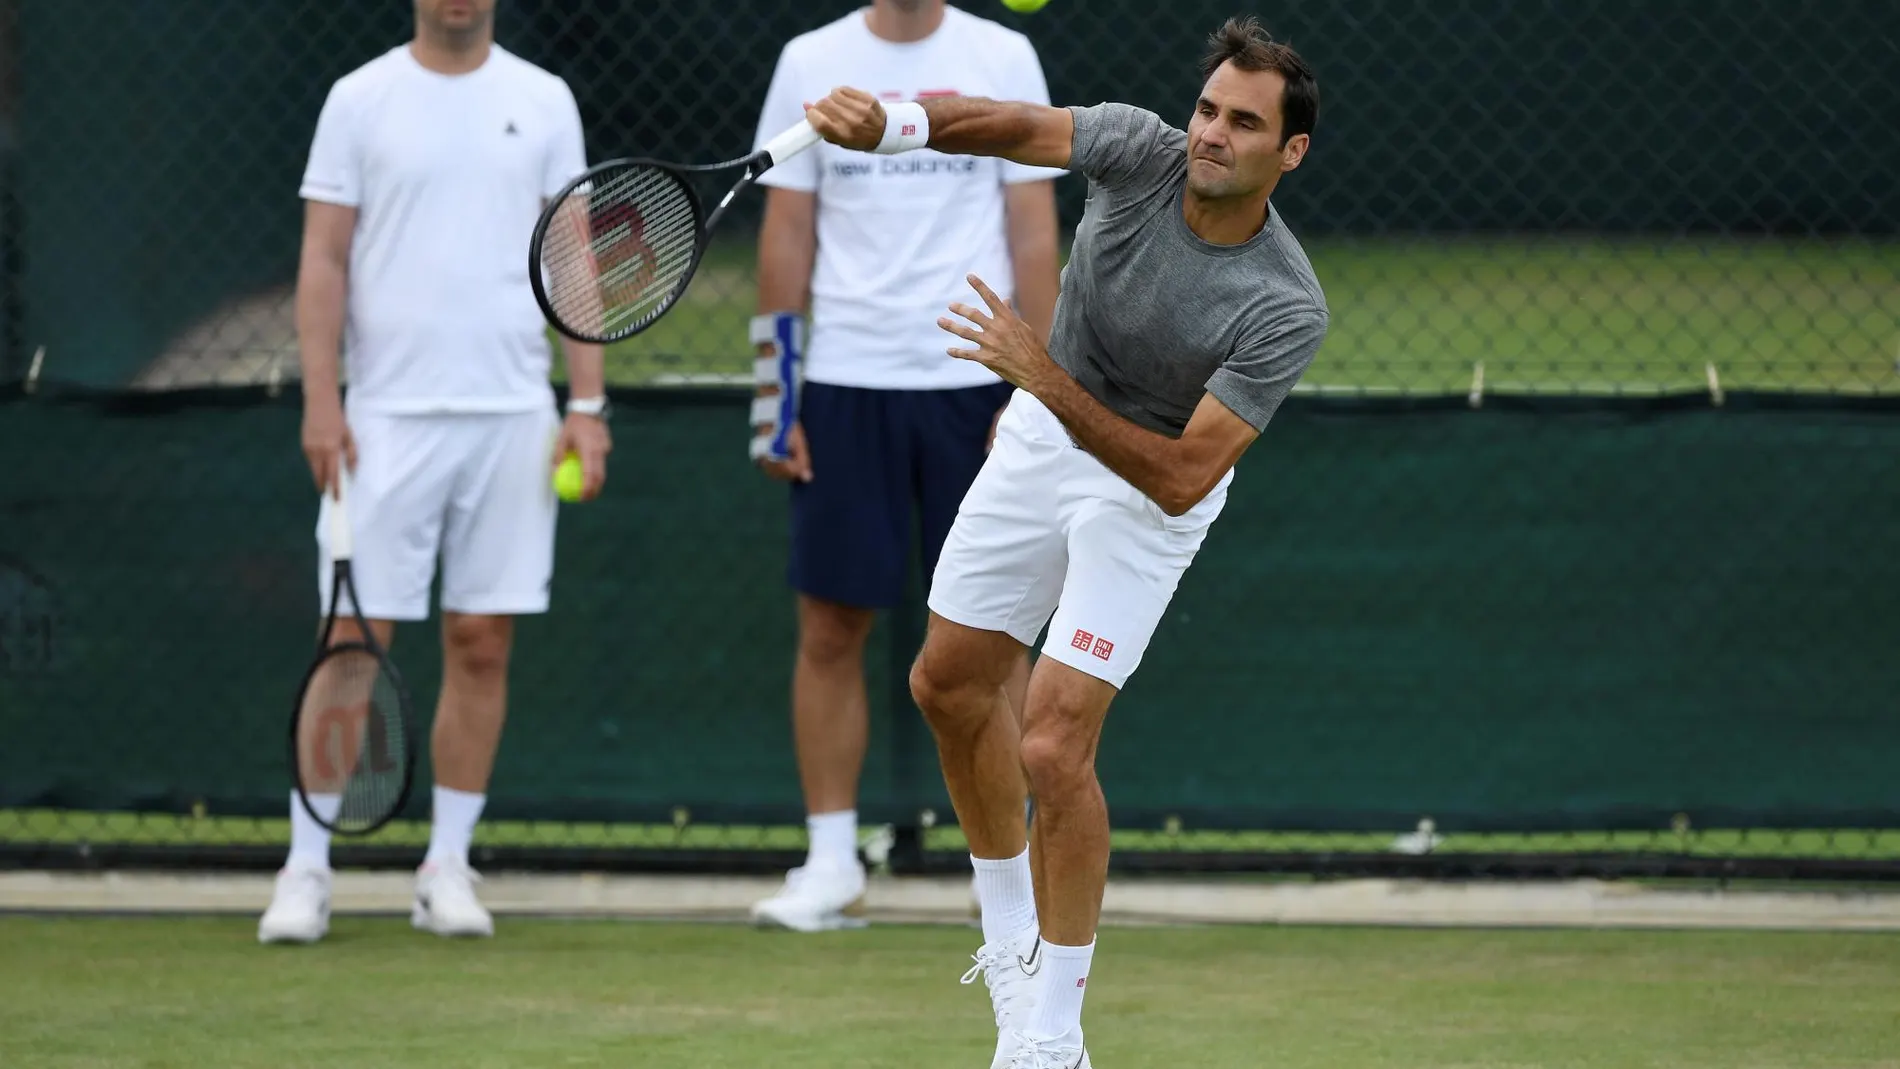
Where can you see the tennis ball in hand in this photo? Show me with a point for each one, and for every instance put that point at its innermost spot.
(1024, 6)
(568, 482)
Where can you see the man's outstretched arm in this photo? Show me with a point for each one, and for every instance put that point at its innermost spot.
(1032, 134)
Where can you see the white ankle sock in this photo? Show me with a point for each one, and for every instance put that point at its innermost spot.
(1061, 985)
(452, 825)
(309, 840)
(1007, 896)
(834, 839)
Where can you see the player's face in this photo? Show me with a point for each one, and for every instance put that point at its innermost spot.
(456, 16)
(1234, 147)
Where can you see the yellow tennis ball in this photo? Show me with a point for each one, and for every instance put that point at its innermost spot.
(1024, 6)
(567, 478)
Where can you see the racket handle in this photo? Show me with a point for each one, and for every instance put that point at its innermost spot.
(340, 542)
(791, 143)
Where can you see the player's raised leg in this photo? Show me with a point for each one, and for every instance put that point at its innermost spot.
(1061, 729)
(960, 682)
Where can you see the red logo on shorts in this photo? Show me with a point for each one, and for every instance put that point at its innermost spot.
(1103, 648)
(1082, 640)
(1083, 982)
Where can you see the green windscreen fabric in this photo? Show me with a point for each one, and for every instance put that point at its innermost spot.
(1593, 616)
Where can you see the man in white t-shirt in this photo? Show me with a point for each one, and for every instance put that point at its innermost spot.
(878, 431)
(429, 167)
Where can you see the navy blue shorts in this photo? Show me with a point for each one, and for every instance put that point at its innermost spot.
(878, 459)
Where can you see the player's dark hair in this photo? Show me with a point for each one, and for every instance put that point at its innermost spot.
(1251, 48)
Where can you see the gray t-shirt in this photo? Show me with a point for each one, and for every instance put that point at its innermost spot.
(1150, 316)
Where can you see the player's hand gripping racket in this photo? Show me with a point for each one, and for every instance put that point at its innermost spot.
(615, 249)
(351, 734)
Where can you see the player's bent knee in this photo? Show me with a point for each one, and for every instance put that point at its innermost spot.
(1057, 761)
(928, 689)
(951, 702)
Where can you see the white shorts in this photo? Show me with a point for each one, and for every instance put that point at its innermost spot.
(477, 490)
(1048, 531)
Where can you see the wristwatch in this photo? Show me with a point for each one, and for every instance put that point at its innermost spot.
(596, 407)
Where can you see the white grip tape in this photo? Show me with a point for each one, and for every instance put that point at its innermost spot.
(906, 127)
(340, 532)
(765, 411)
(792, 142)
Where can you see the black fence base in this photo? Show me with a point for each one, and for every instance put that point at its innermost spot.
(908, 858)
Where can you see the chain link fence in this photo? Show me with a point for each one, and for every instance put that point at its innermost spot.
(1603, 198)
(1570, 556)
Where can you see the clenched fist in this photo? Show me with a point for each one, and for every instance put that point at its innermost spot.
(848, 118)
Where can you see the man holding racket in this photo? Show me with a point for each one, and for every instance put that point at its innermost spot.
(1188, 311)
(873, 424)
(427, 172)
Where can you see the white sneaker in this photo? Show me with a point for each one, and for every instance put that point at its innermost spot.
(299, 907)
(1009, 970)
(1038, 1054)
(446, 902)
(820, 898)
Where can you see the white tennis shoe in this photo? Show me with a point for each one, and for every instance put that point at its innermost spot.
(816, 898)
(446, 902)
(1009, 970)
(299, 909)
(1036, 1054)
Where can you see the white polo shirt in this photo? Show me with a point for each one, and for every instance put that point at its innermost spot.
(897, 234)
(448, 174)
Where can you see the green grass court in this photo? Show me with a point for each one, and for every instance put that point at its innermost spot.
(1584, 315)
(174, 993)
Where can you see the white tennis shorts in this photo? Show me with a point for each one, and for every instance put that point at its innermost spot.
(476, 490)
(1048, 535)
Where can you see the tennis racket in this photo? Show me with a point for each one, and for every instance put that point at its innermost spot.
(615, 249)
(352, 737)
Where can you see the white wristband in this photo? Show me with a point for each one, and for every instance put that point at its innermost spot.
(906, 127)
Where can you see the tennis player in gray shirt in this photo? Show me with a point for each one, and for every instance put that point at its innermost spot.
(1187, 312)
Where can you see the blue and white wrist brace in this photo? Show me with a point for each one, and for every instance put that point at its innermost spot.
(780, 339)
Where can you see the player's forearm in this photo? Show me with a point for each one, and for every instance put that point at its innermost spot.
(586, 368)
(321, 289)
(1150, 462)
(1033, 134)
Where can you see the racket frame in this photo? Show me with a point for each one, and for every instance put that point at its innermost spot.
(341, 552)
(783, 147)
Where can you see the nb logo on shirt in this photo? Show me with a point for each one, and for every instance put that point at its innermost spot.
(511, 131)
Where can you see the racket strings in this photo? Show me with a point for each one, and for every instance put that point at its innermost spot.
(620, 251)
(353, 741)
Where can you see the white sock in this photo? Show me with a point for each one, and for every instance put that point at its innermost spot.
(1063, 982)
(452, 826)
(309, 840)
(833, 839)
(1007, 896)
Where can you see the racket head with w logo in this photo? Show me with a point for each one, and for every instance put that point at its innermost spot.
(614, 250)
(352, 736)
